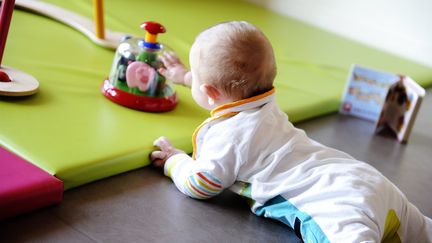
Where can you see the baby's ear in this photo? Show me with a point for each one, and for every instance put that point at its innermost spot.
(211, 91)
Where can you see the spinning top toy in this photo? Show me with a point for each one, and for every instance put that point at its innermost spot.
(134, 80)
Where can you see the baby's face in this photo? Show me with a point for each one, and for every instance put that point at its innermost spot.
(199, 96)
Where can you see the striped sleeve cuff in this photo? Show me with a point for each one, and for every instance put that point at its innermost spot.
(202, 185)
(171, 162)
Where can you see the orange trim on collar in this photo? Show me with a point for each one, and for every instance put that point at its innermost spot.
(241, 102)
(195, 134)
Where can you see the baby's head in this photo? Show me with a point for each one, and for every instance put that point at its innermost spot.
(229, 62)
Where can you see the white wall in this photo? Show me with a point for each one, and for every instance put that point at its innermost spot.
(402, 27)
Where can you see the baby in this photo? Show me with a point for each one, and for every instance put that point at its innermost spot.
(249, 146)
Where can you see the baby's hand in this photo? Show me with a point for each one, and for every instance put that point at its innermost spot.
(173, 68)
(159, 157)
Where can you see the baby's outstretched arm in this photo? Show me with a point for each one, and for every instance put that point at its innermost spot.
(174, 69)
(197, 179)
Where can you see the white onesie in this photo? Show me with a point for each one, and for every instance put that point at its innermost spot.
(325, 195)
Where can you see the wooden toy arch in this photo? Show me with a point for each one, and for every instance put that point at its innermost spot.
(18, 83)
(94, 30)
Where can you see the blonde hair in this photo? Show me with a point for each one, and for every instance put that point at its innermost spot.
(236, 57)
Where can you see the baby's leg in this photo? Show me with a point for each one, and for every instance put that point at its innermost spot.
(322, 222)
(415, 227)
(428, 227)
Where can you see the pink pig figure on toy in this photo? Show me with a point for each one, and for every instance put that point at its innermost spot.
(140, 75)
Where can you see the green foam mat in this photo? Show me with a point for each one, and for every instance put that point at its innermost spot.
(72, 131)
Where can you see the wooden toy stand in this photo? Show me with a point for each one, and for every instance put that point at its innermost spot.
(13, 82)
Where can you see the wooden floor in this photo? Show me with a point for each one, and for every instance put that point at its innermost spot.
(144, 206)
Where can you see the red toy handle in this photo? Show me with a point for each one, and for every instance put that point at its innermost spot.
(152, 27)
(6, 10)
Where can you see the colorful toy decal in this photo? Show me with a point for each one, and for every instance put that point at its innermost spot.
(141, 75)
